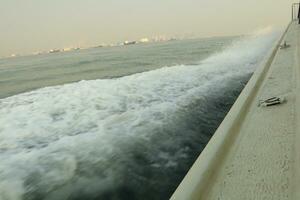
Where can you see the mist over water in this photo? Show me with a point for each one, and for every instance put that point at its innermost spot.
(133, 137)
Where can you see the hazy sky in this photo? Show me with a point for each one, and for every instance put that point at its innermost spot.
(34, 25)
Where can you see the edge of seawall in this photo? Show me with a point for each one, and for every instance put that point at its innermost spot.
(199, 178)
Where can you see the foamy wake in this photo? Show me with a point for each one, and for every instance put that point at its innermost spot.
(56, 140)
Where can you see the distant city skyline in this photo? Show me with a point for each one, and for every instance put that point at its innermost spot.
(34, 25)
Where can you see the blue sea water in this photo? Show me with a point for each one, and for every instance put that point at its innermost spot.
(117, 123)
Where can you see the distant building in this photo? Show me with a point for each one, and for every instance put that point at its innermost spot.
(67, 49)
(37, 53)
(173, 39)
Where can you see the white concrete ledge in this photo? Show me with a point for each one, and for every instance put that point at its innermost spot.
(201, 176)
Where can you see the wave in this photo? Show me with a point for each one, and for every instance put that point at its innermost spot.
(132, 137)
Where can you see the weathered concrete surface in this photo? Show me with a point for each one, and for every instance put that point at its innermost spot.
(255, 153)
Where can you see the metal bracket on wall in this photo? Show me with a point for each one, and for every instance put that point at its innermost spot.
(271, 101)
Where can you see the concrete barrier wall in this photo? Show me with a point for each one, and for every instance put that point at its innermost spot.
(202, 173)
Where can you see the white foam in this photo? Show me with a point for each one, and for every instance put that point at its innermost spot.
(50, 134)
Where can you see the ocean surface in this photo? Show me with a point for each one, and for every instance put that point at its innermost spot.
(119, 123)
(23, 74)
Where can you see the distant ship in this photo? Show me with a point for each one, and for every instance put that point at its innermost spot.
(129, 42)
(54, 51)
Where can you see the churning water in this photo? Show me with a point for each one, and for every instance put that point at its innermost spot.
(132, 137)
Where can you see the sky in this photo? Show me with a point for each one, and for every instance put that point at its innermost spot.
(28, 26)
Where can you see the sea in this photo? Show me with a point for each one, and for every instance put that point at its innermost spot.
(117, 123)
